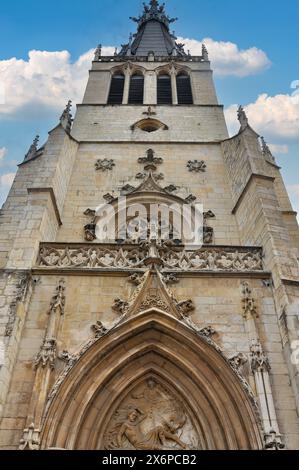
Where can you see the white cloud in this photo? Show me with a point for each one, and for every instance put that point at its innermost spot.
(45, 81)
(227, 59)
(3, 152)
(277, 149)
(276, 116)
(6, 180)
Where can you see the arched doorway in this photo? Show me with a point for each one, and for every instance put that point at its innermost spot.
(151, 382)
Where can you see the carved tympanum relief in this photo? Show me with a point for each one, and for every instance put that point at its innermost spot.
(151, 418)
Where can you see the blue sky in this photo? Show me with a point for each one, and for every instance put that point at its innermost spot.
(77, 27)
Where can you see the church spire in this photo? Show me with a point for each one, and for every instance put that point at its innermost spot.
(153, 34)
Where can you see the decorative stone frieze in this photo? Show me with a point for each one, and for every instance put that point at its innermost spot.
(124, 257)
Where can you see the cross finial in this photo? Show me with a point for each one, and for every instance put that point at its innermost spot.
(149, 112)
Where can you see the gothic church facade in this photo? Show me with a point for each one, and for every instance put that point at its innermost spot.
(122, 344)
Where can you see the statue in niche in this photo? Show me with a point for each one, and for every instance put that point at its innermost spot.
(150, 418)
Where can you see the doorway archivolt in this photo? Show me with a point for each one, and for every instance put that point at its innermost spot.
(151, 383)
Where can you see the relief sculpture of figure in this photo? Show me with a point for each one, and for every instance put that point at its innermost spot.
(155, 439)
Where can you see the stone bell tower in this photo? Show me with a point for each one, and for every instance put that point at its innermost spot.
(146, 344)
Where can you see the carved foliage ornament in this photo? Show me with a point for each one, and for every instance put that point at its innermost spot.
(104, 165)
(132, 256)
(196, 166)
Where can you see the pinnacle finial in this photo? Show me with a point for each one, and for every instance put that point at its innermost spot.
(205, 53)
(98, 53)
(66, 117)
(33, 149)
(242, 117)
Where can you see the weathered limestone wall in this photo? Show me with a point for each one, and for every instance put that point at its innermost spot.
(88, 186)
(113, 123)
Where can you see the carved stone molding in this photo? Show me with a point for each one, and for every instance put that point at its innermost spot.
(238, 361)
(120, 306)
(130, 257)
(99, 329)
(104, 165)
(170, 279)
(196, 166)
(207, 331)
(185, 307)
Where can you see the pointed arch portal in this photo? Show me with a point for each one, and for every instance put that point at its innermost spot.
(151, 358)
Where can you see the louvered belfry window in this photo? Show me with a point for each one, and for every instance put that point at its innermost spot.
(184, 89)
(116, 89)
(136, 89)
(164, 93)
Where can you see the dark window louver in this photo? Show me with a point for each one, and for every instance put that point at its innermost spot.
(136, 89)
(116, 89)
(184, 90)
(164, 93)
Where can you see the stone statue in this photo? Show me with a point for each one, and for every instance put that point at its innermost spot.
(155, 439)
(151, 418)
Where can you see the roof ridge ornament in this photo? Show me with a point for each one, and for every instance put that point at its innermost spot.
(266, 150)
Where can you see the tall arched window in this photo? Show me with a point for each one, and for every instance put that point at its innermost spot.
(136, 89)
(164, 92)
(116, 89)
(184, 89)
